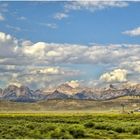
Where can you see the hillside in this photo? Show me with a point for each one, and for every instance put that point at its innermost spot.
(72, 105)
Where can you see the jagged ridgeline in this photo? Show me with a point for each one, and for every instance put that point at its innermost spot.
(65, 91)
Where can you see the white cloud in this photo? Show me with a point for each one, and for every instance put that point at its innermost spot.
(133, 32)
(8, 45)
(48, 70)
(60, 16)
(132, 66)
(49, 25)
(1, 17)
(94, 5)
(3, 9)
(37, 77)
(16, 29)
(46, 59)
(73, 83)
(117, 75)
(26, 43)
(22, 18)
(51, 53)
(35, 50)
(90, 5)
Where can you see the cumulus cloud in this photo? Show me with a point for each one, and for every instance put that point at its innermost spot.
(42, 53)
(52, 53)
(133, 66)
(117, 75)
(60, 16)
(8, 45)
(48, 70)
(26, 43)
(73, 83)
(35, 50)
(30, 61)
(37, 77)
(94, 5)
(133, 32)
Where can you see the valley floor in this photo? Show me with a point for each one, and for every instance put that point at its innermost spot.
(70, 119)
(113, 105)
(69, 125)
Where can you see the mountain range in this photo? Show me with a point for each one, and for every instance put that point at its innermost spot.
(65, 91)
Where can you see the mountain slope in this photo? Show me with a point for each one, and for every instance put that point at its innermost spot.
(20, 94)
(72, 105)
(57, 95)
(65, 91)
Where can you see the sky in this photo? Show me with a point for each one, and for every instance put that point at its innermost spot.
(93, 43)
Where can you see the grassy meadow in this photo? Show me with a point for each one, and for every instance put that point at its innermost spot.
(70, 119)
(68, 125)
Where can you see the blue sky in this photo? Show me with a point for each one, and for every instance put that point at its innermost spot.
(81, 26)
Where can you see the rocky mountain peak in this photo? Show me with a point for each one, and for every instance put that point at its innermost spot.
(65, 91)
(64, 86)
(68, 89)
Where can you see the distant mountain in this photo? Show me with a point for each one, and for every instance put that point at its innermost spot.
(112, 93)
(21, 94)
(11, 92)
(86, 94)
(65, 91)
(57, 95)
(68, 89)
(1, 92)
(63, 88)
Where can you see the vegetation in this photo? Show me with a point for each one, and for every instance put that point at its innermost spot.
(69, 104)
(69, 125)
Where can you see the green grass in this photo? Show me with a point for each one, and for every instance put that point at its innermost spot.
(69, 125)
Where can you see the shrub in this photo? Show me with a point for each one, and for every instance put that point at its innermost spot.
(31, 126)
(89, 124)
(111, 132)
(50, 127)
(119, 129)
(136, 131)
(35, 134)
(59, 133)
(67, 135)
(77, 132)
(100, 126)
(56, 134)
